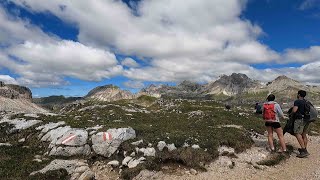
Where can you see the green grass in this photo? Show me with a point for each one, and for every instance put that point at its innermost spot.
(16, 160)
(171, 124)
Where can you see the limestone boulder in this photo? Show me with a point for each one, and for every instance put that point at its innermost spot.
(107, 143)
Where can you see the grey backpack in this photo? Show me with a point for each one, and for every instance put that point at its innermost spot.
(311, 113)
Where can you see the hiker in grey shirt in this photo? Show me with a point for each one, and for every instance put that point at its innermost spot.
(271, 114)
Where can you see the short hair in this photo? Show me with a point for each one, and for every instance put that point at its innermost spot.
(271, 97)
(302, 93)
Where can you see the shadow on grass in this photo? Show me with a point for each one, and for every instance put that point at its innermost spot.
(277, 158)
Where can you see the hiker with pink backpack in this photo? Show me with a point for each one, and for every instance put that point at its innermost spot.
(272, 112)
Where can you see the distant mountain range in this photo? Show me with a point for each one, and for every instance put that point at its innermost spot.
(236, 88)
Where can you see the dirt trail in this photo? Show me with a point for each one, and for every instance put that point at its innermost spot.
(292, 168)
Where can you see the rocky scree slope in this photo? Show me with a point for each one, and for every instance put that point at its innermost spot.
(17, 99)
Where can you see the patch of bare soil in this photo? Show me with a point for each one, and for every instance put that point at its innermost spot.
(245, 167)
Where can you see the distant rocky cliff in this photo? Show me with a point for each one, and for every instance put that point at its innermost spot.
(15, 92)
(186, 89)
(233, 85)
(17, 99)
(108, 93)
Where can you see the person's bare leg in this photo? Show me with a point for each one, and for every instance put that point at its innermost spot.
(270, 137)
(281, 139)
(300, 140)
(305, 139)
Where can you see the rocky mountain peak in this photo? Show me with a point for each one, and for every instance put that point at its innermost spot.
(189, 86)
(236, 78)
(236, 83)
(282, 82)
(108, 93)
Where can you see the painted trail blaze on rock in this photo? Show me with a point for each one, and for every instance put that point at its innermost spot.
(74, 137)
(69, 138)
(106, 143)
(107, 136)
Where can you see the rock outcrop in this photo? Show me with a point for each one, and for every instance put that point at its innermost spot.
(186, 89)
(233, 85)
(107, 143)
(283, 82)
(17, 99)
(14, 91)
(108, 93)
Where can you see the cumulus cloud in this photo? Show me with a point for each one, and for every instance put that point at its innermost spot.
(8, 79)
(42, 60)
(129, 62)
(162, 29)
(14, 30)
(308, 55)
(52, 61)
(182, 39)
(133, 84)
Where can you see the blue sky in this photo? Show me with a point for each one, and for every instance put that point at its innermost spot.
(69, 48)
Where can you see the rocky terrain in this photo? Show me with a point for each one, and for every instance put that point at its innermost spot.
(17, 99)
(113, 134)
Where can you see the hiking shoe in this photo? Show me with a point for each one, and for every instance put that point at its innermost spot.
(303, 154)
(301, 150)
(307, 152)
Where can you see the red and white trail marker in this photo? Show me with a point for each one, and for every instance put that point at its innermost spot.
(107, 136)
(69, 138)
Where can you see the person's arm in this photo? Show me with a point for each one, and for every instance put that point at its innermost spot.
(295, 107)
(279, 111)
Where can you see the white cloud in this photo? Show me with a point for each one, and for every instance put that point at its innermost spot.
(129, 62)
(185, 39)
(8, 79)
(42, 60)
(52, 61)
(311, 54)
(163, 29)
(14, 30)
(309, 4)
(134, 84)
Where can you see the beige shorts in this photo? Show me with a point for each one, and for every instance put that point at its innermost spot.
(301, 126)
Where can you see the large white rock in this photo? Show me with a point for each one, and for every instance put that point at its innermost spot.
(70, 151)
(106, 143)
(53, 135)
(69, 165)
(45, 128)
(20, 124)
(73, 137)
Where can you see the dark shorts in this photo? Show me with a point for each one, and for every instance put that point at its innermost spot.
(275, 125)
